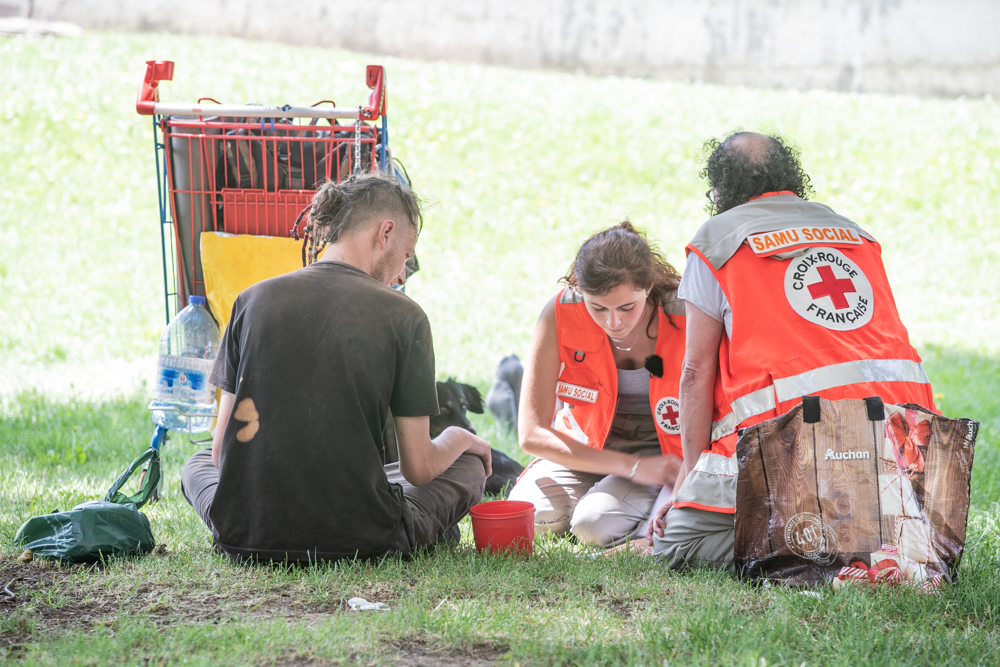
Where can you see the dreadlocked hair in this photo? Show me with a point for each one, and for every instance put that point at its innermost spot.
(621, 255)
(354, 203)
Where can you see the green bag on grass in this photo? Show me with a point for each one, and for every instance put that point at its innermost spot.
(97, 529)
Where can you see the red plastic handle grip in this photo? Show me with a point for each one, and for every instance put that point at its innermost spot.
(156, 71)
(377, 103)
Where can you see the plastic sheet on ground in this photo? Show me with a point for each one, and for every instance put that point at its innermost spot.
(361, 604)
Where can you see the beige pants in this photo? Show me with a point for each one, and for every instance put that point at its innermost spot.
(599, 509)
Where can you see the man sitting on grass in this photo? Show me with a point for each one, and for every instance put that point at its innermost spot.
(784, 299)
(310, 365)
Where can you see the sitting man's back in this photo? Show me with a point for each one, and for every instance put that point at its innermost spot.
(311, 363)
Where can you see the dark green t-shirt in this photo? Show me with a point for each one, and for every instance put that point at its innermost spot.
(316, 359)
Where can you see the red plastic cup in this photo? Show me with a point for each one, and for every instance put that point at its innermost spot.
(504, 526)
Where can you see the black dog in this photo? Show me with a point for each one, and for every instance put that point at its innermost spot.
(455, 399)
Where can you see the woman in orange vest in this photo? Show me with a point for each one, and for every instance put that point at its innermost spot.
(608, 348)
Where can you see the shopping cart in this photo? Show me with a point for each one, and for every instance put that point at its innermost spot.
(247, 170)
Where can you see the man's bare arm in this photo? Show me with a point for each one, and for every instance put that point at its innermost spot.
(225, 411)
(701, 359)
(422, 459)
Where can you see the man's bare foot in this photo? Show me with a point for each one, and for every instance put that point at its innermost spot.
(642, 547)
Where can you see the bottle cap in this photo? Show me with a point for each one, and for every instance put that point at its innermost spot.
(199, 300)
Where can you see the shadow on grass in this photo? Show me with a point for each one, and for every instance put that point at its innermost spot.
(967, 384)
(96, 440)
(450, 606)
(558, 607)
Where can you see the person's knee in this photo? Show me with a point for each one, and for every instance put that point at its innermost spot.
(198, 460)
(195, 469)
(472, 473)
(592, 524)
(199, 480)
(696, 538)
(474, 467)
(551, 516)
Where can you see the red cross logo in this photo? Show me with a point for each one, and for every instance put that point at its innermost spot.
(670, 415)
(833, 287)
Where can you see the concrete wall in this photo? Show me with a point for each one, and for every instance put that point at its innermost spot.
(927, 47)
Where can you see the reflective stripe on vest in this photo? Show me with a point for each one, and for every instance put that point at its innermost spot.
(725, 426)
(711, 485)
(849, 372)
(755, 403)
(814, 381)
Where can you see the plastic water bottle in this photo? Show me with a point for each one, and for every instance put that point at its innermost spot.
(188, 348)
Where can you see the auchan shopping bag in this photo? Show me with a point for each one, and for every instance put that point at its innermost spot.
(854, 492)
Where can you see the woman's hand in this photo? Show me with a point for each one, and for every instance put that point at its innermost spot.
(656, 470)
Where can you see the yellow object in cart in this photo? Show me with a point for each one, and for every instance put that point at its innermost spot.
(233, 262)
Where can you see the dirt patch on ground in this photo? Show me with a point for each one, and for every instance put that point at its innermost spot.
(21, 581)
(420, 654)
(47, 598)
(619, 608)
(294, 659)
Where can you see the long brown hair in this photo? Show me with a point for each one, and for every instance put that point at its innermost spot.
(622, 255)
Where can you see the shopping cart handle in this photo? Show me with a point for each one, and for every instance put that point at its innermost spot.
(377, 103)
(147, 103)
(149, 94)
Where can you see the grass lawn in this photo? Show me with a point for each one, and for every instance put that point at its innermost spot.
(520, 166)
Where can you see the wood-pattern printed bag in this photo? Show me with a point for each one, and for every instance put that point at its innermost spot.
(854, 492)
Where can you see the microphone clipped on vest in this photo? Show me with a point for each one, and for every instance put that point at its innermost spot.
(654, 364)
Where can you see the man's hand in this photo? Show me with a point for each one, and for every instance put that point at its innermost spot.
(659, 521)
(473, 445)
(657, 470)
(642, 547)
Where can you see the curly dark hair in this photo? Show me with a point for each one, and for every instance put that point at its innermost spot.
(746, 165)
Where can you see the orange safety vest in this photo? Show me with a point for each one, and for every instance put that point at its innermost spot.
(812, 312)
(812, 315)
(588, 377)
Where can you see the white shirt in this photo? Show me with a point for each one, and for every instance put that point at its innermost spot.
(700, 288)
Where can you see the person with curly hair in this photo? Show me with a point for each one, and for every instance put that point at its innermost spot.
(784, 298)
(599, 403)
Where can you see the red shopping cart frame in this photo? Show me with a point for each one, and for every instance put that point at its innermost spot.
(249, 169)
